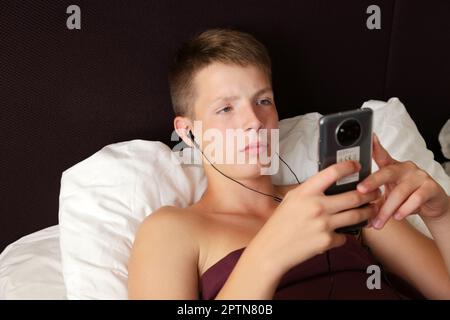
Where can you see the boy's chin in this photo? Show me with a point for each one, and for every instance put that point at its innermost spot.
(250, 170)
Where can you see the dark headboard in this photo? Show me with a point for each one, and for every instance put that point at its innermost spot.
(67, 93)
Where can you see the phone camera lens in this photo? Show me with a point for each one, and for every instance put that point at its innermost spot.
(348, 132)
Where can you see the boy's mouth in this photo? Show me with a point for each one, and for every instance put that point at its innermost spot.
(254, 147)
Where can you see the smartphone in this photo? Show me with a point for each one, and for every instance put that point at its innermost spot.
(347, 136)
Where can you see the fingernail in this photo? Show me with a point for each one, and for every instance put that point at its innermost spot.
(375, 137)
(397, 216)
(377, 223)
(361, 187)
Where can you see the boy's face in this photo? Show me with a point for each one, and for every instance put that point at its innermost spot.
(235, 97)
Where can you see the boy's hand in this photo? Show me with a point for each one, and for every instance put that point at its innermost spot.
(408, 189)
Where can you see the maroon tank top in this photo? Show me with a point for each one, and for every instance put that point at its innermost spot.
(311, 279)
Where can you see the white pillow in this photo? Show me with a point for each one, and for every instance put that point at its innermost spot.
(104, 198)
(30, 268)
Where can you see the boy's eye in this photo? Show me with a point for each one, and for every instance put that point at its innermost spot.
(224, 110)
(265, 102)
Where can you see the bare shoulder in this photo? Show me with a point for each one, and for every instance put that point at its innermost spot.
(170, 227)
(170, 218)
(163, 261)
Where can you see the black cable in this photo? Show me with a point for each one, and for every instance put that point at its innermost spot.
(277, 199)
(288, 167)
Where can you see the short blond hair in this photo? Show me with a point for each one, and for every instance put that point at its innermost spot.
(214, 45)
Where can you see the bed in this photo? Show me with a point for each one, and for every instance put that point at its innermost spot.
(66, 94)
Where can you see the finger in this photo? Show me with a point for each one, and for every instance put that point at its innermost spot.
(414, 202)
(353, 216)
(380, 154)
(377, 204)
(389, 174)
(395, 199)
(338, 239)
(328, 176)
(348, 200)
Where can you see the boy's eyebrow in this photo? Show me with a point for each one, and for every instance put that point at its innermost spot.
(231, 98)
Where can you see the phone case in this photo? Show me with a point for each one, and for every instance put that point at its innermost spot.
(331, 151)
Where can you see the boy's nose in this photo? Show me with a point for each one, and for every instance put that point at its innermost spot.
(252, 122)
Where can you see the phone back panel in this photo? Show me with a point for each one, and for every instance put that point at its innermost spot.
(331, 152)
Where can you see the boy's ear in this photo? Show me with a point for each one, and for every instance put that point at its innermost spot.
(183, 127)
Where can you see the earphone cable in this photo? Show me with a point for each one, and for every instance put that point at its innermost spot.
(276, 198)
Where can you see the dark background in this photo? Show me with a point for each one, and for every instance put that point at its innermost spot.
(64, 94)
